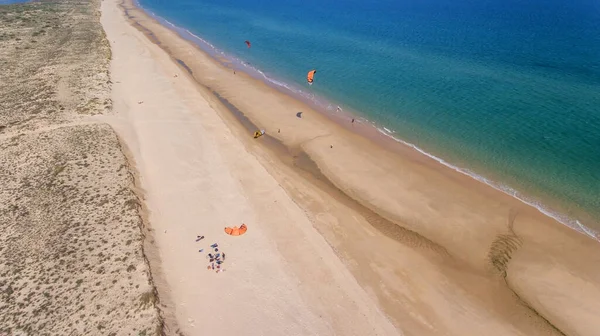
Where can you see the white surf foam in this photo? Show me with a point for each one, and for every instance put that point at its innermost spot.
(566, 220)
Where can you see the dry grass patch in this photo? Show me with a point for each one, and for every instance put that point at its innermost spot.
(71, 261)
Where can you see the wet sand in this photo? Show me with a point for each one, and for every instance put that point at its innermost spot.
(345, 229)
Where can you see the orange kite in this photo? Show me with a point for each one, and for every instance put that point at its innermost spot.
(235, 231)
(310, 76)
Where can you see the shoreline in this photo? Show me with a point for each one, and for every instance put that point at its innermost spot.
(364, 217)
(381, 135)
(198, 178)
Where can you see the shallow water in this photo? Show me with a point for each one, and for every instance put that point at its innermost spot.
(507, 90)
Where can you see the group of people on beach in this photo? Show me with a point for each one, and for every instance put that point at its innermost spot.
(216, 258)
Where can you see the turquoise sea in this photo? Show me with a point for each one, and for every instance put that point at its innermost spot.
(505, 90)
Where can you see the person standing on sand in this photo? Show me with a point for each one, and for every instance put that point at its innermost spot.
(353, 120)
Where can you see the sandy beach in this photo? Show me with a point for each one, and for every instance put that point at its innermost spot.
(352, 238)
(281, 276)
(347, 235)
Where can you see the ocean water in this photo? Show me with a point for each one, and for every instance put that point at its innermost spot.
(508, 91)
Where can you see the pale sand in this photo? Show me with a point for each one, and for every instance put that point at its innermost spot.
(198, 178)
(437, 252)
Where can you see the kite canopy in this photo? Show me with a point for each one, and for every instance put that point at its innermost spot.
(235, 231)
(310, 76)
(258, 133)
(247, 43)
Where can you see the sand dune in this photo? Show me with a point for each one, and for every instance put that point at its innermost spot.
(71, 260)
(347, 236)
